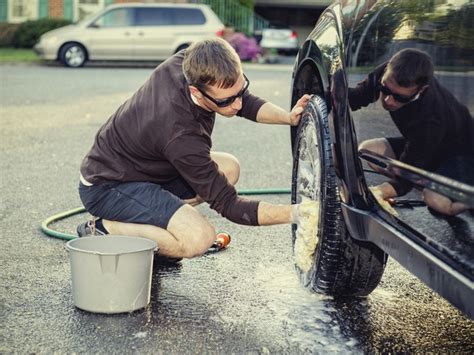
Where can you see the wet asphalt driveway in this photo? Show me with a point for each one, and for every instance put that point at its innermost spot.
(245, 299)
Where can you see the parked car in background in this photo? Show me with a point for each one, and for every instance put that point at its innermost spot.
(130, 32)
(355, 234)
(280, 38)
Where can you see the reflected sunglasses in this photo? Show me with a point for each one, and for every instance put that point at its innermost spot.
(402, 99)
(229, 100)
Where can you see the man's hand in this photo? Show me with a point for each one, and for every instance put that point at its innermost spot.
(270, 113)
(387, 190)
(304, 212)
(297, 110)
(306, 216)
(384, 193)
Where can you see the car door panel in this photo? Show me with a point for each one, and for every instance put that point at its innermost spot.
(154, 42)
(112, 35)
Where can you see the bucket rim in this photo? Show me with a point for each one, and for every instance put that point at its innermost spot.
(69, 246)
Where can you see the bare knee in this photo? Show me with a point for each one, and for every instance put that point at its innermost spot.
(228, 164)
(192, 233)
(367, 145)
(438, 202)
(378, 145)
(201, 240)
(232, 170)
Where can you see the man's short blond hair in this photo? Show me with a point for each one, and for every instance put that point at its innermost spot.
(411, 67)
(211, 62)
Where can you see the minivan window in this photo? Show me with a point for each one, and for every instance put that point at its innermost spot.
(189, 17)
(147, 16)
(166, 16)
(115, 18)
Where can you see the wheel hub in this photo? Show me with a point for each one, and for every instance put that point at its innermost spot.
(75, 56)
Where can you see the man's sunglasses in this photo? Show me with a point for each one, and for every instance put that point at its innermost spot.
(402, 99)
(229, 100)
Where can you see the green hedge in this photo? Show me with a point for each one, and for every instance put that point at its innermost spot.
(29, 32)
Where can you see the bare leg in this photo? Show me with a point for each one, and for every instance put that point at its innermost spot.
(443, 204)
(380, 146)
(188, 233)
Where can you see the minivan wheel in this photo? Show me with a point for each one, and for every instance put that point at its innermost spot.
(328, 260)
(72, 55)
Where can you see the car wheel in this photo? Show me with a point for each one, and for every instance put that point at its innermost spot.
(73, 55)
(327, 258)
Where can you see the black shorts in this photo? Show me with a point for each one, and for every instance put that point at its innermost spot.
(136, 202)
(397, 144)
(460, 168)
(457, 167)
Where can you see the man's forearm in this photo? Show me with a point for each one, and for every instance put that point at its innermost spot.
(269, 214)
(270, 113)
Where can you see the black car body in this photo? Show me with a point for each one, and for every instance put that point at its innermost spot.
(355, 234)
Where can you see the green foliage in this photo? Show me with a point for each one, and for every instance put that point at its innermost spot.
(247, 3)
(29, 32)
(446, 30)
(7, 30)
(417, 10)
(457, 29)
(13, 55)
(379, 34)
(238, 14)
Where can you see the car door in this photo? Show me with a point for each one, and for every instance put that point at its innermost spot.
(155, 35)
(111, 35)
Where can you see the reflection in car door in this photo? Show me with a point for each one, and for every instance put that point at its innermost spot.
(155, 33)
(112, 35)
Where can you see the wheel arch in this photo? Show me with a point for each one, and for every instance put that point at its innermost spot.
(309, 77)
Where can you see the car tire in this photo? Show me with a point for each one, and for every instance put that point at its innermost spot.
(336, 264)
(73, 55)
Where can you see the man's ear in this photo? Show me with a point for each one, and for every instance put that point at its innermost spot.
(195, 92)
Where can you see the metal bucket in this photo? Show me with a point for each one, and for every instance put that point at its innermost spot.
(111, 274)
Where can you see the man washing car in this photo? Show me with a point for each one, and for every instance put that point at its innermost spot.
(437, 131)
(151, 162)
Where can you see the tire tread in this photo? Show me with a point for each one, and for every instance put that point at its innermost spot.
(343, 266)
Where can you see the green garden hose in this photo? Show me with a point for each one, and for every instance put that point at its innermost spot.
(63, 215)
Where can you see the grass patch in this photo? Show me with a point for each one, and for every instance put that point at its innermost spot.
(18, 55)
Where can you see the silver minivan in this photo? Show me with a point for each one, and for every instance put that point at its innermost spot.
(130, 32)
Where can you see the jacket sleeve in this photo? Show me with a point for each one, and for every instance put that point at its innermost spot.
(418, 150)
(250, 106)
(367, 90)
(190, 156)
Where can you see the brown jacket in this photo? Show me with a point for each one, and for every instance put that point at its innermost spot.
(159, 134)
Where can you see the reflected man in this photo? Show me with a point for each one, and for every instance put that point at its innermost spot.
(437, 132)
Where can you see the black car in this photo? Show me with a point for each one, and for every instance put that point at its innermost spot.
(355, 234)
